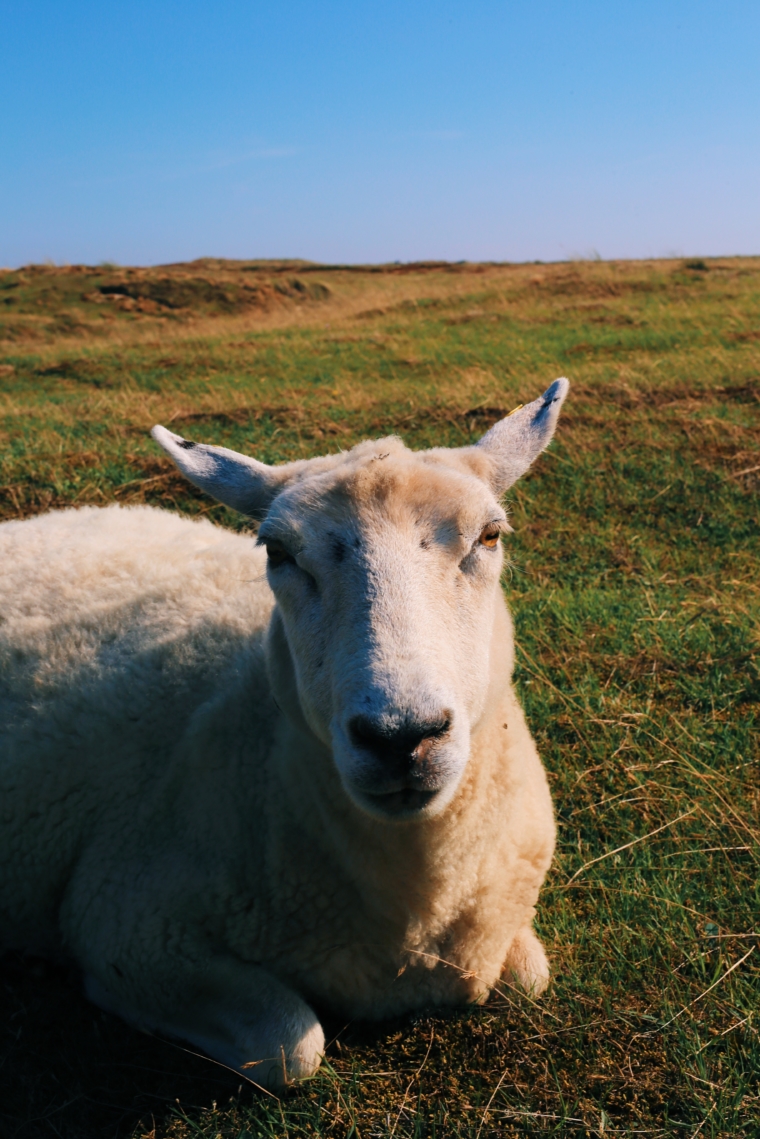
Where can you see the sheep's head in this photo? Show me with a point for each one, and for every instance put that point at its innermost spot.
(385, 564)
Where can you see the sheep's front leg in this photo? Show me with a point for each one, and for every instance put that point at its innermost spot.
(526, 963)
(236, 1013)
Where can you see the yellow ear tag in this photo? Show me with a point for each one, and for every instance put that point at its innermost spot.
(514, 409)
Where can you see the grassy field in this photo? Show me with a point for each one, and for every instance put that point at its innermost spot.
(634, 583)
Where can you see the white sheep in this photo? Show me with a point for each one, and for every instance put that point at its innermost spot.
(230, 804)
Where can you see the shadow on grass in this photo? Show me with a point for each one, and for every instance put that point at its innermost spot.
(69, 1070)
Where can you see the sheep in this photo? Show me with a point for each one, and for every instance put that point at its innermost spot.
(241, 781)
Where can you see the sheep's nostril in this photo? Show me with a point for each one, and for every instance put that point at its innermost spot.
(407, 743)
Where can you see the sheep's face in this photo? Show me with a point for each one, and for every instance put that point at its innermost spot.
(386, 570)
(385, 564)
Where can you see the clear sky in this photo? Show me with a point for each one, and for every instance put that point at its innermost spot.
(149, 131)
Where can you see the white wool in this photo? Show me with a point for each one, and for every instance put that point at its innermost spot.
(215, 803)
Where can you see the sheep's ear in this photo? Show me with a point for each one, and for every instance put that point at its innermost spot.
(237, 481)
(514, 442)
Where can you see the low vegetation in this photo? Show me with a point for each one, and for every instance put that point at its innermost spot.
(633, 580)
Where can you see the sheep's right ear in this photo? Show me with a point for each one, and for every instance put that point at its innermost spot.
(237, 481)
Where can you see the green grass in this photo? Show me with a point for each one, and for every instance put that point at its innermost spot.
(634, 583)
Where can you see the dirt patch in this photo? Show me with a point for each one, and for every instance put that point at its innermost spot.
(748, 392)
(179, 293)
(627, 397)
(81, 368)
(562, 283)
(68, 324)
(473, 315)
(17, 330)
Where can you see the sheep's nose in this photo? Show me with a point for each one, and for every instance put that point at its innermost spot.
(403, 746)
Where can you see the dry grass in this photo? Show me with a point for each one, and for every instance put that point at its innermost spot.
(634, 585)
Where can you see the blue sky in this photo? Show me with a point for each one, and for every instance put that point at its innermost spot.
(147, 132)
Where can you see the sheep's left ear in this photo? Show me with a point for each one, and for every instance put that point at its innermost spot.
(515, 441)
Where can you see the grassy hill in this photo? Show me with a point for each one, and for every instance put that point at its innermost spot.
(635, 588)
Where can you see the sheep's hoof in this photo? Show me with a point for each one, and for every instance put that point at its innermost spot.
(299, 1062)
(527, 964)
(307, 1055)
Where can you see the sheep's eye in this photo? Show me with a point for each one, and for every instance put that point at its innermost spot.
(278, 555)
(489, 536)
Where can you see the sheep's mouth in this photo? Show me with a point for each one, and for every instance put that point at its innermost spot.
(407, 801)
